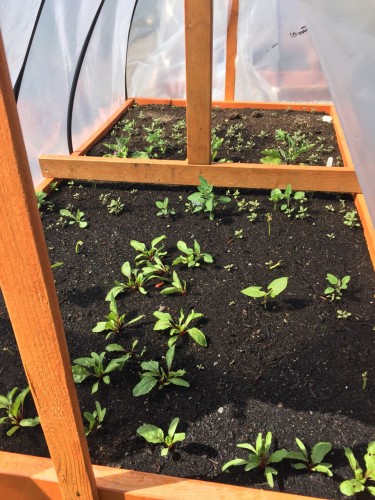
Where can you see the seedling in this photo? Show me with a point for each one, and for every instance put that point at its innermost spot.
(115, 206)
(302, 213)
(57, 264)
(41, 200)
(135, 281)
(79, 244)
(15, 412)
(274, 288)
(259, 456)
(238, 233)
(192, 255)
(180, 328)
(331, 236)
(335, 291)
(364, 381)
(153, 374)
(94, 419)
(294, 145)
(176, 286)
(276, 196)
(216, 143)
(153, 434)
(350, 219)
(314, 461)
(352, 486)
(330, 208)
(343, 314)
(94, 366)
(164, 210)
(156, 269)
(120, 149)
(268, 216)
(204, 199)
(273, 265)
(115, 322)
(147, 254)
(78, 218)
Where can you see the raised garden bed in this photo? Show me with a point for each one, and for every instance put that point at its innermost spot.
(294, 369)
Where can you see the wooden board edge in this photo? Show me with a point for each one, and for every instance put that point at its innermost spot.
(231, 52)
(341, 141)
(45, 185)
(367, 225)
(23, 477)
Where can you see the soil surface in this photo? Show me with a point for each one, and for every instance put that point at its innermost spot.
(245, 133)
(295, 368)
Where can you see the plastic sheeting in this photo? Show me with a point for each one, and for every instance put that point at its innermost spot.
(156, 55)
(276, 60)
(344, 34)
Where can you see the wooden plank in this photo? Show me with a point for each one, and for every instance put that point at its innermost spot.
(331, 179)
(107, 125)
(45, 185)
(368, 227)
(301, 106)
(28, 288)
(198, 46)
(341, 141)
(230, 71)
(23, 477)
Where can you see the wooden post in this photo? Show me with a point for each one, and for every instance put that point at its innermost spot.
(230, 73)
(198, 44)
(29, 292)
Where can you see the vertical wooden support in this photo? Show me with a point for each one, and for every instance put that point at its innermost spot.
(29, 292)
(198, 44)
(230, 72)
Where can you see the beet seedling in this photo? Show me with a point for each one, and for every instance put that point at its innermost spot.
(337, 285)
(164, 210)
(274, 288)
(14, 411)
(135, 282)
(176, 286)
(352, 486)
(94, 419)
(314, 461)
(147, 254)
(180, 328)
(153, 434)
(259, 456)
(192, 255)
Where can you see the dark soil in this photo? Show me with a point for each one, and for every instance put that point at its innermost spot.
(294, 369)
(245, 133)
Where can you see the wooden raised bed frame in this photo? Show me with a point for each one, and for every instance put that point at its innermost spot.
(29, 292)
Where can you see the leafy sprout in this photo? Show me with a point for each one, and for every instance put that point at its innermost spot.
(14, 409)
(359, 483)
(274, 288)
(153, 434)
(180, 327)
(314, 461)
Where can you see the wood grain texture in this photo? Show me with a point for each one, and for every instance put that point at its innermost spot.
(28, 288)
(24, 477)
(341, 141)
(241, 175)
(231, 52)
(198, 46)
(368, 227)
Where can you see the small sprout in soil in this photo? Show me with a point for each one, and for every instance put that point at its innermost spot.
(259, 456)
(120, 149)
(268, 216)
(273, 265)
(238, 233)
(262, 134)
(242, 205)
(330, 208)
(176, 286)
(115, 207)
(204, 199)
(54, 186)
(41, 200)
(57, 264)
(180, 328)
(153, 434)
(192, 256)
(293, 146)
(302, 213)
(114, 321)
(342, 206)
(153, 374)
(364, 380)
(274, 288)
(147, 254)
(352, 486)
(338, 284)
(78, 218)
(164, 209)
(276, 196)
(314, 461)
(94, 419)
(228, 267)
(350, 219)
(94, 366)
(343, 314)
(216, 143)
(79, 244)
(156, 269)
(14, 410)
(135, 282)
(331, 236)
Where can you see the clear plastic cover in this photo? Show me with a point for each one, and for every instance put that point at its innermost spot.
(276, 60)
(344, 34)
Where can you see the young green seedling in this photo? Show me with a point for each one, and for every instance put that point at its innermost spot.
(120, 149)
(94, 419)
(115, 322)
(343, 314)
(204, 199)
(337, 285)
(78, 218)
(259, 456)
(147, 254)
(164, 210)
(274, 288)
(192, 255)
(216, 143)
(314, 461)
(176, 286)
(268, 216)
(352, 486)
(79, 244)
(41, 200)
(153, 434)
(115, 206)
(153, 374)
(180, 328)
(14, 411)
(135, 282)
(156, 269)
(94, 366)
(350, 219)
(294, 145)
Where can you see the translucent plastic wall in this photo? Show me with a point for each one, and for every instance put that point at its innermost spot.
(344, 34)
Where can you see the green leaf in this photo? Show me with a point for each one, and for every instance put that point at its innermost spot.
(114, 348)
(267, 442)
(179, 381)
(12, 430)
(151, 433)
(144, 386)
(247, 446)
(254, 291)
(319, 451)
(269, 472)
(169, 357)
(302, 447)
(322, 468)
(350, 487)
(100, 327)
(126, 269)
(137, 245)
(198, 336)
(332, 279)
(296, 455)
(299, 466)
(277, 456)
(115, 291)
(152, 366)
(277, 286)
(345, 281)
(29, 422)
(173, 426)
(236, 462)
(351, 459)
(182, 246)
(164, 452)
(274, 160)
(80, 374)
(371, 489)
(208, 258)
(95, 387)
(179, 436)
